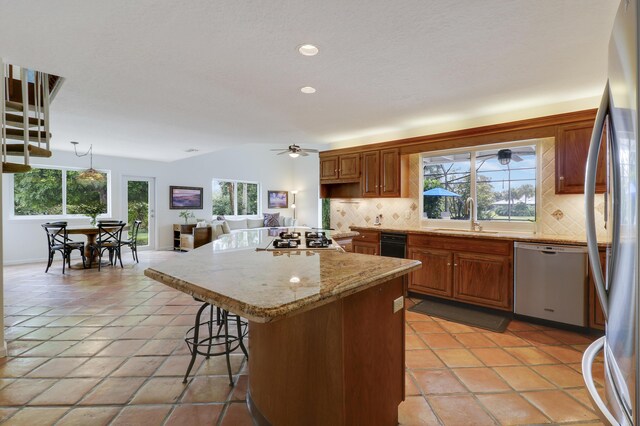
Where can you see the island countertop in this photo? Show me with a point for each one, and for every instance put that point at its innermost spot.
(265, 286)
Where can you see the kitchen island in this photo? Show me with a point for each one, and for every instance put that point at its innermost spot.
(326, 339)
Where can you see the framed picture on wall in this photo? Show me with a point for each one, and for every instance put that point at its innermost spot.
(278, 199)
(185, 197)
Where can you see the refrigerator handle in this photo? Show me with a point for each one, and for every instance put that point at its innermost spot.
(589, 198)
(587, 363)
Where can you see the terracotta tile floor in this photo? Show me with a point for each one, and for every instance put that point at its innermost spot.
(106, 347)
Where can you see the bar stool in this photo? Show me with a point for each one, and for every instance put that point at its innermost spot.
(218, 344)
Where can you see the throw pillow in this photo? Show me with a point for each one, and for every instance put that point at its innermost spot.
(272, 220)
(225, 227)
(220, 218)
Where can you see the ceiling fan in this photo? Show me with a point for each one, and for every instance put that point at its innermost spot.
(295, 151)
(506, 155)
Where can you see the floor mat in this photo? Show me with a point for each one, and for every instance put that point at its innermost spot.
(463, 315)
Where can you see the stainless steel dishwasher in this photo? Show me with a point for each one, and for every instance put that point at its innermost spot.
(550, 282)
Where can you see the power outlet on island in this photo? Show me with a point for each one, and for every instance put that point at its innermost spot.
(398, 304)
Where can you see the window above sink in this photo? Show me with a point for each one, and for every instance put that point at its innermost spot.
(501, 179)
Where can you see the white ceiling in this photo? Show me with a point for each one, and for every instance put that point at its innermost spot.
(149, 79)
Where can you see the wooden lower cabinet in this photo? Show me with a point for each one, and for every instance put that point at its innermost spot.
(470, 270)
(482, 279)
(436, 275)
(364, 247)
(596, 316)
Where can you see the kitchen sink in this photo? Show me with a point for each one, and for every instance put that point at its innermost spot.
(463, 231)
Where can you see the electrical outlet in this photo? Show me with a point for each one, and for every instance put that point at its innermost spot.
(398, 304)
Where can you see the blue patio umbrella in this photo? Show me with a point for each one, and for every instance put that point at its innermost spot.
(439, 192)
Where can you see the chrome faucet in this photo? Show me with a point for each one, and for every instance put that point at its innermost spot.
(470, 208)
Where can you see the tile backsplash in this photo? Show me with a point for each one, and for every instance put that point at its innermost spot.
(557, 215)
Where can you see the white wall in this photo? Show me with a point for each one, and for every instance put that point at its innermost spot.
(24, 240)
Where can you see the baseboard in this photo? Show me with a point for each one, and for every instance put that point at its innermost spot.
(24, 261)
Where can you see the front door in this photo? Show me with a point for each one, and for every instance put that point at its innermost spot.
(139, 204)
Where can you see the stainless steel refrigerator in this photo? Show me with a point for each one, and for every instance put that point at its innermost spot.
(618, 291)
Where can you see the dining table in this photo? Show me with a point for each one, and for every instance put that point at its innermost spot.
(91, 232)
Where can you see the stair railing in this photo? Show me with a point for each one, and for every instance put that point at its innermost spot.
(3, 115)
(47, 99)
(24, 81)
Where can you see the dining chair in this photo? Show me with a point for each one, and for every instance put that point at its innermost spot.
(58, 240)
(132, 242)
(109, 239)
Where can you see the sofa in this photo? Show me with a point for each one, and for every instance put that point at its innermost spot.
(222, 226)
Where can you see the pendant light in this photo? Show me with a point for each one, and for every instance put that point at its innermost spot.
(89, 175)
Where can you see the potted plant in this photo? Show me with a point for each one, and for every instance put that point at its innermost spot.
(93, 210)
(186, 214)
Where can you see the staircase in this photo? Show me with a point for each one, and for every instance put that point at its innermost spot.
(25, 96)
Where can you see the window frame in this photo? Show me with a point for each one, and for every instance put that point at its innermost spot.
(488, 225)
(235, 190)
(64, 215)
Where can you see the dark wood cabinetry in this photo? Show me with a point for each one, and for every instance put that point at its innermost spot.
(367, 174)
(368, 242)
(382, 173)
(349, 166)
(390, 164)
(371, 174)
(596, 316)
(340, 168)
(329, 167)
(436, 275)
(572, 148)
(482, 279)
(471, 270)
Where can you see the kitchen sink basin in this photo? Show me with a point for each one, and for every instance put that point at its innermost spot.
(464, 231)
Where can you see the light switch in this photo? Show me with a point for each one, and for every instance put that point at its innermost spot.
(398, 304)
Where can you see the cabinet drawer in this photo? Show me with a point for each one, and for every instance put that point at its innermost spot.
(370, 236)
(478, 245)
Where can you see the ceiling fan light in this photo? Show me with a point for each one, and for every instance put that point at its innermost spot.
(504, 156)
(294, 155)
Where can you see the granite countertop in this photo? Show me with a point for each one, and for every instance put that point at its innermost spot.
(234, 273)
(345, 234)
(516, 236)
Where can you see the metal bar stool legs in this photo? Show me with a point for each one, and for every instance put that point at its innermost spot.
(222, 343)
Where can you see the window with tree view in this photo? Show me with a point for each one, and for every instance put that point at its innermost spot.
(232, 198)
(58, 192)
(501, 181)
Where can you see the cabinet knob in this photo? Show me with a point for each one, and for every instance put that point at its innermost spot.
(455, 264)
(448, 264)
(561, 178)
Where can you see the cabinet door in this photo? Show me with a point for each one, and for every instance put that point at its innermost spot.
(483, 279)
(390, 172)
(572, 147)
(371, 174)
(349, 166)
(329, 168)
(436, 275)
(596, 316)
(366, 248)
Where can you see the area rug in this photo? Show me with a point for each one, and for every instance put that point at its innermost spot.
(463, 315)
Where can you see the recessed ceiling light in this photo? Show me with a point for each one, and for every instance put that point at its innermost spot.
(308, 50)
(308, 90)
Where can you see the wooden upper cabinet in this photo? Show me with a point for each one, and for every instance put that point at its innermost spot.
(338, 168)
(349, 166)
(572, 148)
(371, 174)
(329, 168)
(390, 172)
